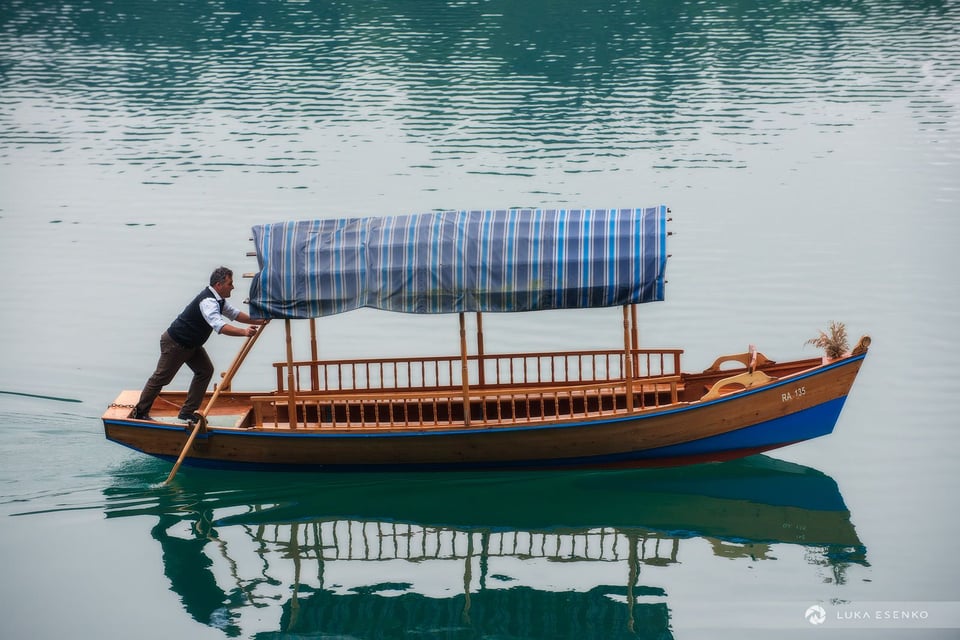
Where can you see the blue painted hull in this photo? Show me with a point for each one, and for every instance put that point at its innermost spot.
(797, 427)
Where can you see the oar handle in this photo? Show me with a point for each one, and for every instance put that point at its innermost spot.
(234, 367)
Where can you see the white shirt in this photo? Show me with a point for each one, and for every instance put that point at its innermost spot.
(212, 314)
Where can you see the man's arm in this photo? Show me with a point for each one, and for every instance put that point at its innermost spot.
(241, 332)
(246, 319)
(230, 330)
(217, 320)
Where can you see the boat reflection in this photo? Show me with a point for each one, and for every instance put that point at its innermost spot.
(534, 555)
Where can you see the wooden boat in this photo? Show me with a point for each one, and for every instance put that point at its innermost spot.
(624, 407)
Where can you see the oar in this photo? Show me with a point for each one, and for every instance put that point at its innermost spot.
(186, 448)
(224, 384)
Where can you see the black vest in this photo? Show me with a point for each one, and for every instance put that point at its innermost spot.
(190, 329)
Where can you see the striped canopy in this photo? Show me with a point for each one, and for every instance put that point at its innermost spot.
(502, 260)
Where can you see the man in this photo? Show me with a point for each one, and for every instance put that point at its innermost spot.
(183, 342)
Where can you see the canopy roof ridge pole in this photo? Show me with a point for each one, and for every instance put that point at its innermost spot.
(627, 358)
(464, 371)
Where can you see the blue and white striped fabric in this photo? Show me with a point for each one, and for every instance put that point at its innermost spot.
(503, 260)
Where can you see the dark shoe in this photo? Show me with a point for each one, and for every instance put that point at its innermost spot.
(138, 415)
(189, 417)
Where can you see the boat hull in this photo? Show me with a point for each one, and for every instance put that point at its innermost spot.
(783, 412)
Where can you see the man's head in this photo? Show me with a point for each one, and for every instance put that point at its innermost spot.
(222, 281)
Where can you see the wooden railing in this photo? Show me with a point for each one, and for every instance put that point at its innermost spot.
(446, 407)
(445, 372)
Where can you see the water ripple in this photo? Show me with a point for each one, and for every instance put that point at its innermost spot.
(271, 83)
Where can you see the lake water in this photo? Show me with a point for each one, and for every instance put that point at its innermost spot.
(809, 151)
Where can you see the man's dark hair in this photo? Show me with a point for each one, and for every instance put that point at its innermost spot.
(219, 275)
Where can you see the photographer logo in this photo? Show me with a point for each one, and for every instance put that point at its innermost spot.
(815, 615)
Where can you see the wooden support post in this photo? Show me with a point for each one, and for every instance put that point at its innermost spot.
(627, 358)
(314, 367)
(291, 380)
(482, 378)
(464, 371)
(635, 339)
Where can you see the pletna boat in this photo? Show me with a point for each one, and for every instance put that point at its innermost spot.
(626, 407)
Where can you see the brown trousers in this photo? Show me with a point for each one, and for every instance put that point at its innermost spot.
(172, 357)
